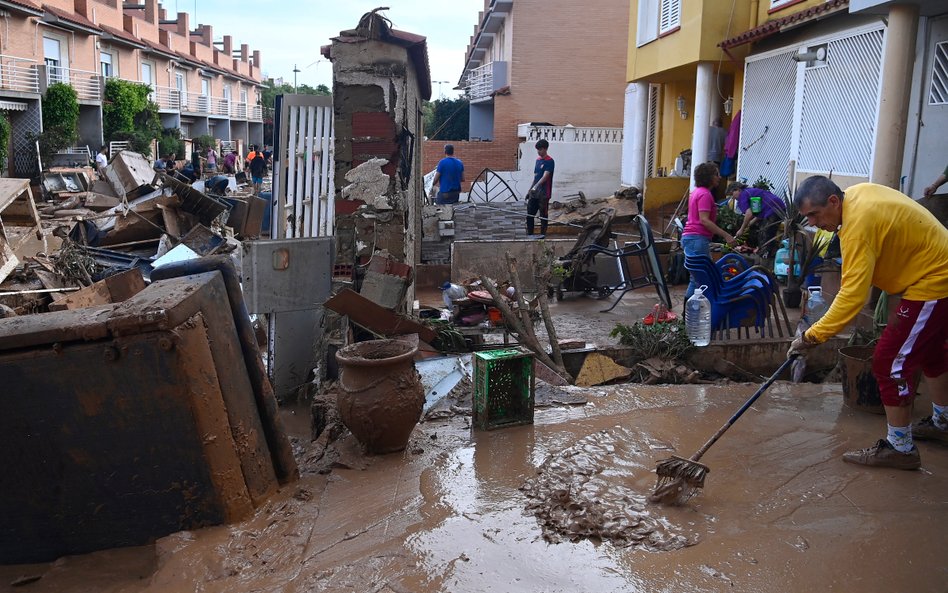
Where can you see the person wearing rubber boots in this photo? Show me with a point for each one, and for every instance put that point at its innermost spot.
(889, 241)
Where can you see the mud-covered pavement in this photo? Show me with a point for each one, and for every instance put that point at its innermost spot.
(780, 511)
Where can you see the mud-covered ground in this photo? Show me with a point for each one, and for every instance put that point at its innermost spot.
(462, 511)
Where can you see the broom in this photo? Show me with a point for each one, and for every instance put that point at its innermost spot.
(678, 478)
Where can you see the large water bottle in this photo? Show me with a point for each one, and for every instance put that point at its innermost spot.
(816, 305)
(698, 318)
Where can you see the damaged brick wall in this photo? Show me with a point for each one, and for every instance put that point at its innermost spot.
(377, 101)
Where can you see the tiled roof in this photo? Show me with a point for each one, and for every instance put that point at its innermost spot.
(25, 4)
(123, 36)
(775, 26)
(72, 18)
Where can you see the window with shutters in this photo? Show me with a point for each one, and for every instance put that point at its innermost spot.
(670, 17)
(938, 95)
(657, 18)
(775, 4)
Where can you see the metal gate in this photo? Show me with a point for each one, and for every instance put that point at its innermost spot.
(303, 167)
(301, 244)
(767, 119)
(815, 103)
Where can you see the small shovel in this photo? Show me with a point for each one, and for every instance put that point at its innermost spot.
(678, 478)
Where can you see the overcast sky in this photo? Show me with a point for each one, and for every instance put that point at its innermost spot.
(289, 32)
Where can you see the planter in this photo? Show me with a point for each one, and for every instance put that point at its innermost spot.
(860, 390)
(792, 297)
(380, 398)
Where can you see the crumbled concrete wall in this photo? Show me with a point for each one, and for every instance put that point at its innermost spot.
(377, 111)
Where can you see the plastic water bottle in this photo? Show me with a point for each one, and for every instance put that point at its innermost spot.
(698, 318)
(815, 305)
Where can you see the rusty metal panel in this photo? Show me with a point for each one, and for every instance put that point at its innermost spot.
(283, 275)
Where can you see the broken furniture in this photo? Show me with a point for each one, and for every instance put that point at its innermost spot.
(124, 423)
(575, 271)
(649, 265)
(17, 208)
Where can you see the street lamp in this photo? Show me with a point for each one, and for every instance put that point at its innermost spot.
(439, 83)
(295, 71)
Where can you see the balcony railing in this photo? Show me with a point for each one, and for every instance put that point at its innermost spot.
(256, 113)
(88, 84)
(589, 135)
(238, 110)
(220, 106)
(17, 77)
(166, 97)
(484, 80)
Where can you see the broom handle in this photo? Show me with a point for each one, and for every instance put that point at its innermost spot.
(739, 413)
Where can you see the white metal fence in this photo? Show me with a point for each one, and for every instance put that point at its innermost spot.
(18, 77)
(591, 135)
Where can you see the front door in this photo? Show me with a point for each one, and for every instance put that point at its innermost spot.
(929, 161)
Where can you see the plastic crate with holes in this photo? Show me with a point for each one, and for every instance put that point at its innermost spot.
(503, 388)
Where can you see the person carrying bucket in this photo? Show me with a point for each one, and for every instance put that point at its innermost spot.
(889, 241)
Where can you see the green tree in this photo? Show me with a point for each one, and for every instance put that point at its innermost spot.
(448, 120)
(60, 120)
(269, 93)
(129, 114)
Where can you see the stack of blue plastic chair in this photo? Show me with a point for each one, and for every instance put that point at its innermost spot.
(738, 301)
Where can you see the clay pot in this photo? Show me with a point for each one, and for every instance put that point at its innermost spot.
(381, 397)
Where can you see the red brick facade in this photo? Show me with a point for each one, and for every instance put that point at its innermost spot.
(499, 156)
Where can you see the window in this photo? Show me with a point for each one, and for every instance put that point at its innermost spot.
(670, 18)
(938, 95)
(105, 64)
(205, 87)
(778, 3)
(54, 59)
(227, 92)
(243, 95)
(148, 76)
(657, 18)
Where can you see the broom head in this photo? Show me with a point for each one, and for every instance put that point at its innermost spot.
(678, 480)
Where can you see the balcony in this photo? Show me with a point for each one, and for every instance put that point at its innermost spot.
(484, 80)
(256, 113)
(167, 98)
(238, 110)
(587, 135)
(88, 84)
(18, 77)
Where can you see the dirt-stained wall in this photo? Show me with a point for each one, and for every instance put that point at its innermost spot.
(377, 110)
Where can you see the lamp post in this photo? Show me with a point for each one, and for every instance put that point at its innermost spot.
(439, 83)
(295, 72)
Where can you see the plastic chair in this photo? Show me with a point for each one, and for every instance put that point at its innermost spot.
(735, 303)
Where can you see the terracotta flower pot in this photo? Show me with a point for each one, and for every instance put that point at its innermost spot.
(381, 396)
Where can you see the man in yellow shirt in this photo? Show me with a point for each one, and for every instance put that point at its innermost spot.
(889, 241)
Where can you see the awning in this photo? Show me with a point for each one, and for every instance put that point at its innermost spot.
(13, 105)
(782, 24)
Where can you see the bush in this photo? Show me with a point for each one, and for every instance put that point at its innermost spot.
(127, 110)
(668, 341)
(4, 140)
(170, 142)
(61, 109)
(139, 142)
(202, 143)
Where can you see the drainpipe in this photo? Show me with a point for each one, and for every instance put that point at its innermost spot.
(702, 117)
(639, 121)
(280, 450)
(894, 94)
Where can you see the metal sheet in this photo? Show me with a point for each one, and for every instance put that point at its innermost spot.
(282, 275)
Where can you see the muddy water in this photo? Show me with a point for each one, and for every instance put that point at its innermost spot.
(780, 511)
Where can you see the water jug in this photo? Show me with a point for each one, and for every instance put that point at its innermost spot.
(698, 318)
(816, 305)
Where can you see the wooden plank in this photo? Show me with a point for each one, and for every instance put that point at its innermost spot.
(375, 317)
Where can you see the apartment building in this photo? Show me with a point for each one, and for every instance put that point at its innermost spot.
(200, 85)
(550, 69)
(856, 88)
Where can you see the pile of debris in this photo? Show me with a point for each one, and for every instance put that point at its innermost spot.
(127, 217)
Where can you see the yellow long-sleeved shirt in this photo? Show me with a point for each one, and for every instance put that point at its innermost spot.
(890, 241)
